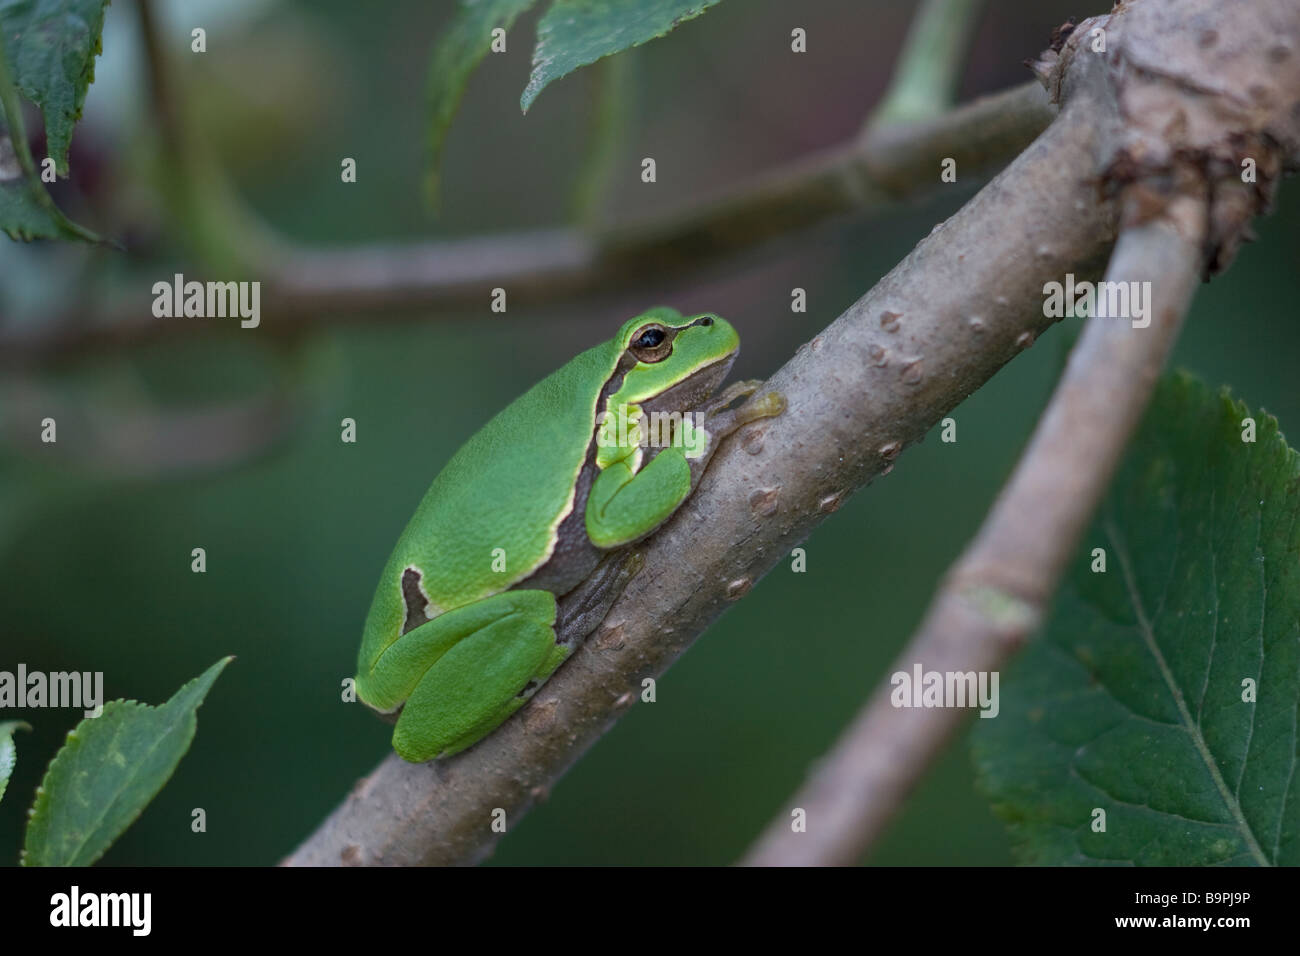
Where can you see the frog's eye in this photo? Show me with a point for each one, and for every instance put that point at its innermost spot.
(651, 344)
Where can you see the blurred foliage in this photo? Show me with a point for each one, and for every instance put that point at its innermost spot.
(96, 566)
(571, 34)
(461, 47)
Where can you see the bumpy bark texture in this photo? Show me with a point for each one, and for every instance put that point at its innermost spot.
(1184, 90)
(1200, 87)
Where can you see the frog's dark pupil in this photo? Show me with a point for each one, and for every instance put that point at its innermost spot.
(650, 338)
(706, 321)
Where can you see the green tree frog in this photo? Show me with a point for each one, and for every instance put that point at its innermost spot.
(524, 540)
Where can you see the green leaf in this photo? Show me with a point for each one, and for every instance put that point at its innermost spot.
(459, 50)
(575, 33)
(8, 753)
(107, 772)
(24, 215)
(1131, 701)
(52, 45)
(26, 209)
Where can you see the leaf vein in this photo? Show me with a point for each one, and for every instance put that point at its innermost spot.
(1192, 729)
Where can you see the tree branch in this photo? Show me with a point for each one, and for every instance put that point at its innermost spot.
(162, 92)
(305, 288)
(929, 65)
(966, 300)
(962, 304)
(1172, 147)
(997, 593)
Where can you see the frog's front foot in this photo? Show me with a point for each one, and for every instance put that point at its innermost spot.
(768, 405)
(742, 389)
(723, 420)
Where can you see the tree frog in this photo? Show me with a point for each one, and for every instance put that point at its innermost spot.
(524, 540)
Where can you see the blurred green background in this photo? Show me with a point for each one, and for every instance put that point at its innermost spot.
(95, 542)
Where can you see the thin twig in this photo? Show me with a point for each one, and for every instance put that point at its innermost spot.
(162, 85)
(924, 83)
(141, 440)
(205, 213)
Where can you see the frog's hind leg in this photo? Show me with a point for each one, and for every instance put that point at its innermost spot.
(503, 643)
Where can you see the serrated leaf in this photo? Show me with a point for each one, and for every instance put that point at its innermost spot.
(1135, 699)
(107, 772)
(26, 210)
(575, 33)
(460, 49)
(52, 45)
(8, 753)
(24, 216)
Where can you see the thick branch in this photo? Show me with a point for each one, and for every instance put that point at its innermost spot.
(962, 304)
(967, 299)
(1174, 147)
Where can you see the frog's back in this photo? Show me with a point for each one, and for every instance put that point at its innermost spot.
(508, 487)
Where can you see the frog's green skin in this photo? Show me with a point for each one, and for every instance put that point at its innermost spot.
(457, 646)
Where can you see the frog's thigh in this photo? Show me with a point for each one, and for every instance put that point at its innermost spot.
(624, 506)
(394, 674)
(472, 687)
